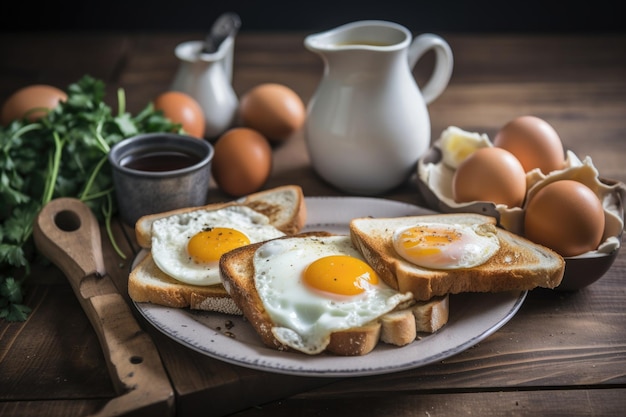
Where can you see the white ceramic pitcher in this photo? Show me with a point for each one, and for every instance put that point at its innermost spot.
(367, 122)
(207, 77)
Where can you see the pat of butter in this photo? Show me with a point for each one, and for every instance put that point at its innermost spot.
(457, 144)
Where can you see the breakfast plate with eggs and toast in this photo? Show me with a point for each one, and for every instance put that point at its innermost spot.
(231, 328)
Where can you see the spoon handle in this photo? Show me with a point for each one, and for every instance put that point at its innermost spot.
(225, 26)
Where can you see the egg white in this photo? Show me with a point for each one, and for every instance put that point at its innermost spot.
(171, 234)
(474, 246)
(304, 318)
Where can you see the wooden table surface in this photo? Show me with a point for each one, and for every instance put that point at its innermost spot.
(561, 354)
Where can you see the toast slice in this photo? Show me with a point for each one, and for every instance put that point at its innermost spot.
(518, 264)
(398, 327)
(148, 284)
(284, 206)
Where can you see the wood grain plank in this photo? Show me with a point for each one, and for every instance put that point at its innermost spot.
(59, 60)
(54, 407)
(61, 359)
(584, 402)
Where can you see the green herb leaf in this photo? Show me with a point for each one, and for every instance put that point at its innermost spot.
(61, 155)
(11, 291)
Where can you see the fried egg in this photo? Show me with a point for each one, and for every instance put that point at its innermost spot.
(446, 246)
(188, 246)
(314, 286)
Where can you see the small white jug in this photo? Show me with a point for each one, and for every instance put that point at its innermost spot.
(207, 77)
(367, 122)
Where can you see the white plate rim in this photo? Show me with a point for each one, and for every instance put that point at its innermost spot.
(473, 316)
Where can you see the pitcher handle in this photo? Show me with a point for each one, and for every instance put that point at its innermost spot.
(443, 63)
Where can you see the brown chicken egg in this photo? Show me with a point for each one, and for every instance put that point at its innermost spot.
(566, 216)
(242, 161)
(32, 103)
(490, 174)
(183, 109)
(275, 110)
(534, 142)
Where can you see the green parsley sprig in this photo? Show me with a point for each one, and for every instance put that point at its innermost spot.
(63, 154)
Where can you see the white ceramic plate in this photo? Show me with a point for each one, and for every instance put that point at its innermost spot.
(473, 317)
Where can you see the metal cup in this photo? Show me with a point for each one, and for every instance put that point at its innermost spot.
(158, 172)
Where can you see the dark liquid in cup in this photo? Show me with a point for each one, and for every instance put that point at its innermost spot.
(160, 161)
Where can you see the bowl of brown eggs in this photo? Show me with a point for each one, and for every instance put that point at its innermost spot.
(534, 187)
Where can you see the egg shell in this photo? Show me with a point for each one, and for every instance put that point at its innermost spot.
(24, 101)
(490, 174)
(566, 216)
(534, 142)
(242, 161)
(183, 109)
(275, 110)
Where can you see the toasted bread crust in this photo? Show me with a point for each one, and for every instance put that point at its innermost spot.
(519, 264)
(234, 265)
(398, 327)
(431, 315)
(284, 206)
(358, 341)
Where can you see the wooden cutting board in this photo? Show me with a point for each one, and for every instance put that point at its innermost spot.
(67, 233)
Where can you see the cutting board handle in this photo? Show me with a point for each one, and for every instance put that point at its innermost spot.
(67, 233)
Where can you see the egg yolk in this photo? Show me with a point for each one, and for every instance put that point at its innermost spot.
(210, 244)
(340, 274)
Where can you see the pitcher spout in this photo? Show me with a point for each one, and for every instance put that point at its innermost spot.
(191, 52)
(374, 35)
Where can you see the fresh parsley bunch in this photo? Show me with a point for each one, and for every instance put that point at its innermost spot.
(63, 154)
